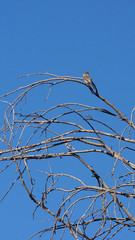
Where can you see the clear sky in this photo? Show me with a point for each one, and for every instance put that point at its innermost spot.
(65, 38)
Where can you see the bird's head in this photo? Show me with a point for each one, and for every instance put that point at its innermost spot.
(85, 74)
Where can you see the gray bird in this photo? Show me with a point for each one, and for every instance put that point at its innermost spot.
(87, 79)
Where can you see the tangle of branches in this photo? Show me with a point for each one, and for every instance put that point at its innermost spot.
(75, 161)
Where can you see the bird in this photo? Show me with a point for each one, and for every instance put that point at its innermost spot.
(87, 79)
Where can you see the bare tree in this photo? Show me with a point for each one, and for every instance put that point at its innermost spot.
(94, 204)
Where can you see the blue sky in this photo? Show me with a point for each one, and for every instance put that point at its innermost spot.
(65, 38)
